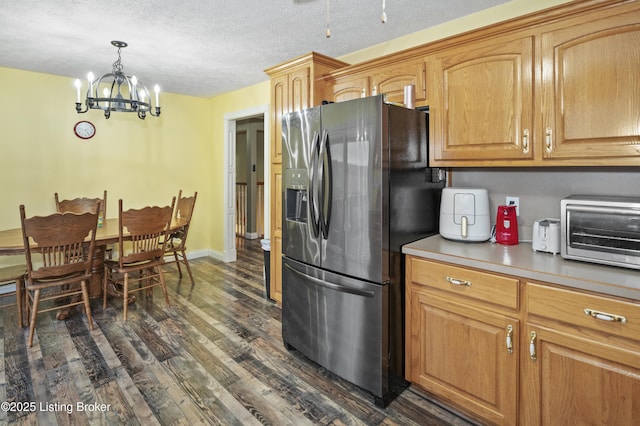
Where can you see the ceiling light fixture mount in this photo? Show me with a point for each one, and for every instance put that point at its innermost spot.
(120, 92)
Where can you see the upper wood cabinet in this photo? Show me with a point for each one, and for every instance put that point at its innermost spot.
(482, 101)
(562, 93)
(591, 90)
(348, 87)
(390, 80)
(388, 77)
(296, 85)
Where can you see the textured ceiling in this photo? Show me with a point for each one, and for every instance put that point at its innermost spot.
(203, 47)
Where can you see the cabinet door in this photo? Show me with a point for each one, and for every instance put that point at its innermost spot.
(461, 354)
(482, 102)
(279, 106)
(289, 92)
(591, 90)
(347, 88)
(299, 90)
(392, 79)
(276, 234)
(578, 381)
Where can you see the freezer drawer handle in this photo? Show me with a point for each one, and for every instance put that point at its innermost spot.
(336, 287)
(456, 281)
(605, 316)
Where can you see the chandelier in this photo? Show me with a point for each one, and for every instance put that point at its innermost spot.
(117, 91)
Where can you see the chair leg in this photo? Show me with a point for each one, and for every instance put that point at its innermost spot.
(34, 314)
(175, 254)
(186, 262)
(125, 296)
(164, 286)
(20, 301)
(105, 280)
(87, 305)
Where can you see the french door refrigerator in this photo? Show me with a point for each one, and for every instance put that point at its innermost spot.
(356, 188)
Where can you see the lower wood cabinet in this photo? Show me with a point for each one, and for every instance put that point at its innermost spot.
(531, 354)
(583, 360)
(464, 357)
(459, 347)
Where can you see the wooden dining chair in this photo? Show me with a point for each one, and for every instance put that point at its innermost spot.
(142, 237)
(13, 275)
(84, 204)
(59, 253)
(81, 205)
(176, 244)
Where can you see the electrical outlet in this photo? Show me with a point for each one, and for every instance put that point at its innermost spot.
(514, 201)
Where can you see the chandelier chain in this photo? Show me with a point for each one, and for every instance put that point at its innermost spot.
(117, 65)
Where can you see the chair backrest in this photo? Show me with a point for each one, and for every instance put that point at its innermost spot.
(184, 211)
(147, 230)
(184, 207)
(59, 244)
(81, 205)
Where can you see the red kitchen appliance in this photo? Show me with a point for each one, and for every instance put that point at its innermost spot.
(507, 225)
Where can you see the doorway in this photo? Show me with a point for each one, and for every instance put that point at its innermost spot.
(250, 178)
(231, 121)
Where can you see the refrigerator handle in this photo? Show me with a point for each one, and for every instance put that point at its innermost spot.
(326, 184)
(331, 286)
(313, 205)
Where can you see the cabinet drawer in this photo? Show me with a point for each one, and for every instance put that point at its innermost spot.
(482, 286)
(601, 313)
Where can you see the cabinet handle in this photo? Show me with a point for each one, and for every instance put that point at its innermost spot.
(549, 140)
(525, 141)
(456, 281)
(605, 316)
(532, 346)
(510, 338)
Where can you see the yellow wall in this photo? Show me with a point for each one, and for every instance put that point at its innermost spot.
(142, 162)
(145, 162)
(476, 20)
(228, 103)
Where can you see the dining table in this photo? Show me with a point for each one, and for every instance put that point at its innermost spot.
(12, 243)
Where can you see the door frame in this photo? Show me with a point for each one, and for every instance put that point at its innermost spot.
(230, 118)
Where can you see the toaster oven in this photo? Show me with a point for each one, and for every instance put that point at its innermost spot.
(601, 229)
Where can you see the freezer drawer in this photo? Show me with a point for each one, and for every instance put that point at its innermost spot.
(338, 322)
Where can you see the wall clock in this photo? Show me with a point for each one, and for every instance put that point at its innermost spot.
(84, 129)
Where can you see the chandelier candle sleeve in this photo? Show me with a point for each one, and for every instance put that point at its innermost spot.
(78, 85)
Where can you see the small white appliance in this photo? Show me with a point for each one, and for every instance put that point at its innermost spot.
(546, 235)
(464, 214)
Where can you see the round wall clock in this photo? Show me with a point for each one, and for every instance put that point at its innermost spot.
(84, 129)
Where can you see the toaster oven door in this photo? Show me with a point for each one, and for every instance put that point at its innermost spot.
(609, 235)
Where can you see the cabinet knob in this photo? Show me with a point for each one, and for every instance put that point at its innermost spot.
(456, 281)
(548, 140)
(525, 141)
(603, 316)
(532, 346)
(510, 339)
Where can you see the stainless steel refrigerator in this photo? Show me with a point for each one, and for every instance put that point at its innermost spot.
(356, 188)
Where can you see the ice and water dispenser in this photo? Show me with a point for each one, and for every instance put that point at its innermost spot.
(296, 197)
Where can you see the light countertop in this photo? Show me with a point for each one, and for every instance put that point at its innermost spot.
(521, 261)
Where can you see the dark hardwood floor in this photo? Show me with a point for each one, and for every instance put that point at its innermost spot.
(214, 357)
